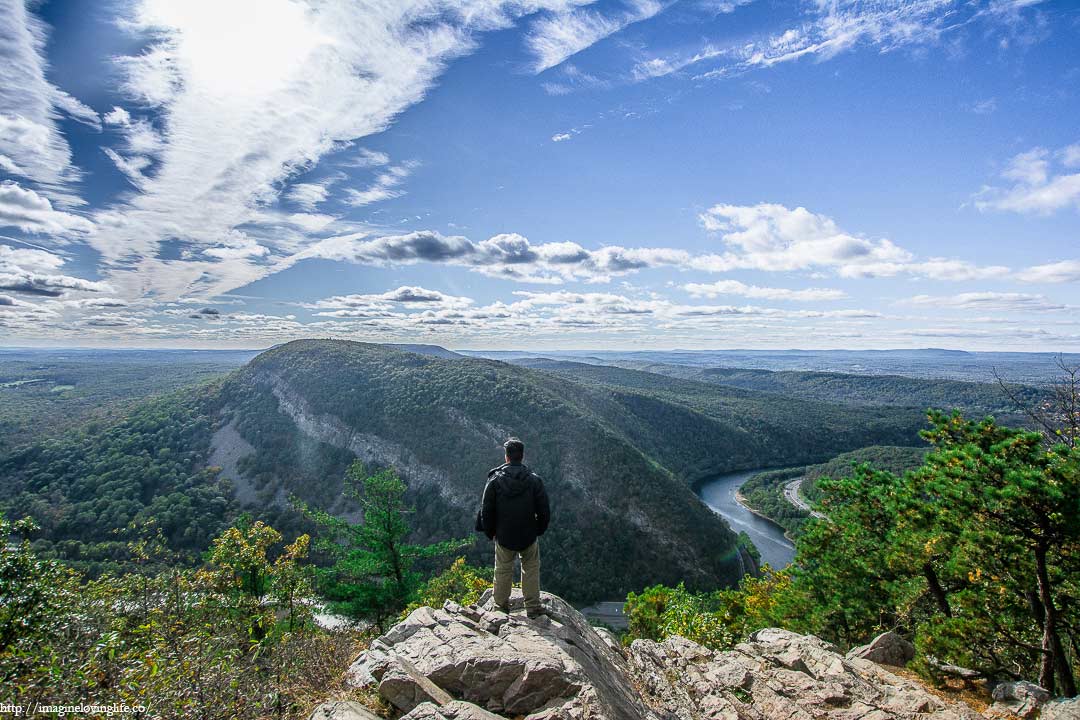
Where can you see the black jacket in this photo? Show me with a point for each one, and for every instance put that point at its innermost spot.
(515, 510)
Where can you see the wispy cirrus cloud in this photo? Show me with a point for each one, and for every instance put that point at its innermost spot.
(31, 143)
(554, 39)
(832, 28)
(246, 95)
(991, 301)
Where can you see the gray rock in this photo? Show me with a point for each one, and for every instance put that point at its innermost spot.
(342, 710)
(470, 663)
(1017, 699)
(453, 710)
(1061, 710)
(551, 667)
(778, 674)
(888, 648)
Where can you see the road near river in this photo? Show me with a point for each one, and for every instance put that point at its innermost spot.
(767, 536)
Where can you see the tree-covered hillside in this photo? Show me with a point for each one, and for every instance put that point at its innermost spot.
(768, 492)
(702, 429)
(849, 389)
(619, 449)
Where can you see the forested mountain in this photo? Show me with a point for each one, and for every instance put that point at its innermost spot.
(619, 449)
(844, 388)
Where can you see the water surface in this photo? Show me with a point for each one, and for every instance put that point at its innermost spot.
(767, 536)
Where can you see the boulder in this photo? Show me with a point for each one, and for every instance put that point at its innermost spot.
(888, 648)
(1017, 699)
(550, 667)
(471, 663)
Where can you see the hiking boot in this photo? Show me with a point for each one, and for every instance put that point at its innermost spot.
(504, 609)
(536, 612)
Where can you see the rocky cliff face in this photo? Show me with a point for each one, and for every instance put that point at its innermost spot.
(474, 662)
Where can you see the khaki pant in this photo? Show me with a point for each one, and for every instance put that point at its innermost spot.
(530, 574)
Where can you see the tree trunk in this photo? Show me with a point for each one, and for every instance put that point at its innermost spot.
(1054, 658)
(936, 590)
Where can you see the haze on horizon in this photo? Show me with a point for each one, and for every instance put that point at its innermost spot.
(623, 174)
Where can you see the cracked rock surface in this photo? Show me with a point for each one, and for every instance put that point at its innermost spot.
(478, 663)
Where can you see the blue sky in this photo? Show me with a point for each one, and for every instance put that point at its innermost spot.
(541, 173)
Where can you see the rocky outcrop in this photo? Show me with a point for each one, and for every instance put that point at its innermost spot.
(1017, 699)
(888, 648)
(473, 662)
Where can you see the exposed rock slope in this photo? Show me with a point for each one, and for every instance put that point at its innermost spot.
(474, 662)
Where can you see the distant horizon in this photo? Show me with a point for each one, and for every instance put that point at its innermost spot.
(538, 351)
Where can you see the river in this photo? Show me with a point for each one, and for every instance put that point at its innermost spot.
(767, 536)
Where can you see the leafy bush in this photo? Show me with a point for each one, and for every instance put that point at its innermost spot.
(460, 583)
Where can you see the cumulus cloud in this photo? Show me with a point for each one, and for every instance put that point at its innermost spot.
(507, 255)
(773, 237)
(117, 116)
(553, 39)
(381, 304)
(34, 272)
(734, 287)
(25, 209)
(1041, 183)
(776, 238)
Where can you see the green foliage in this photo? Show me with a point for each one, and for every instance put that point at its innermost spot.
(764, 491)
(231, 640)
(84, 489)
(374, 573)
(49, 396)
(974, 553)
(609, 443)
(717, 620)
(460, 583)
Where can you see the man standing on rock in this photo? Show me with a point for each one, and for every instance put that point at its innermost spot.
(515, 513)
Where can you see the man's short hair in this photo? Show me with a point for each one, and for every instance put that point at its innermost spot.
(515, 449)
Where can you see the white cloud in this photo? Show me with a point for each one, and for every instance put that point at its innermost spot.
(246, 95)
(382, 304)
(776, 238)
(117, 116)
(1055, 272)
(30, 138)
(307, 195)
(833, 28)
(560, 137)
(131, 167)
(553, 39)
(1070, 156)
(366, 158)
(982, 301)
(734, 287)
(33, 213)
(1037, 187)
(385, 186)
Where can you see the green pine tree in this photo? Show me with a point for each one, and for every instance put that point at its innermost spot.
(374, 573)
